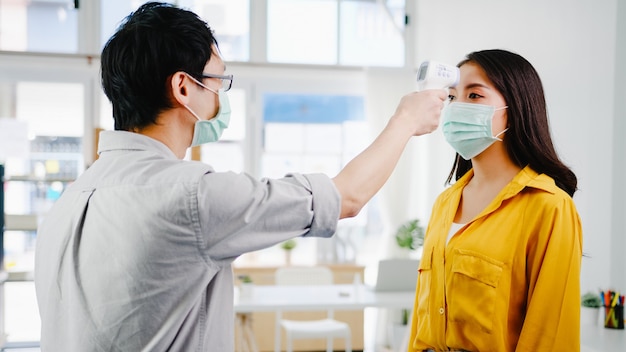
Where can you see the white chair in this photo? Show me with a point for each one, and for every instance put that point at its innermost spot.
(328, 328)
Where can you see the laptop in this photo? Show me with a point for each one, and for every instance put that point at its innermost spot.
(396, 275)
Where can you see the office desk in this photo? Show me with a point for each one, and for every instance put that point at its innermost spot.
(599, 339)
(276, 298)
(273, 298)
(350, 297)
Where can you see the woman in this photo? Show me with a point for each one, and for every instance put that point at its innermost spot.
(501, 263)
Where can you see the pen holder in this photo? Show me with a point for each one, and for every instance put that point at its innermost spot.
(614, 317)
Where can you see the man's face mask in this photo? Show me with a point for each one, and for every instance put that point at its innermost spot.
(207, 131)
(467, 127)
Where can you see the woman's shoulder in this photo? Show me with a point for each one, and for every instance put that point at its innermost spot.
(543, 183)
(543, 193)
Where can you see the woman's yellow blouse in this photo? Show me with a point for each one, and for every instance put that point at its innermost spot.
(509, 279)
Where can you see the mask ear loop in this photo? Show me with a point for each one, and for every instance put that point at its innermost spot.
(201, 85)
(191, 111)
(506, 129)
(498, 135)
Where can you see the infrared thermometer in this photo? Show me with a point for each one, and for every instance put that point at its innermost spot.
(436, 75)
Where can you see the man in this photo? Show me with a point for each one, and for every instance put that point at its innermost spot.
(136, 255)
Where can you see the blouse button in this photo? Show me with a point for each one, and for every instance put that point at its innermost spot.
(440, 310)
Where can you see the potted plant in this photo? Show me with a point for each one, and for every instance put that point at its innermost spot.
(410, 235)
(246, 286)
(590, 308)
(245, 279)
(288, 246)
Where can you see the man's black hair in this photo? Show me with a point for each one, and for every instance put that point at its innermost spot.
(138, 61)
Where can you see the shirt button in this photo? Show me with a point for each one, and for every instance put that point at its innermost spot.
(440, 310)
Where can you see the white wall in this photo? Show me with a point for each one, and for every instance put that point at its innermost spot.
(618, 209)
(574, 47)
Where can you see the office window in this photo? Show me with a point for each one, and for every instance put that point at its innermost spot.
(372, 33)
(303, 31)
(51, 108)
(230, 19)
(309, 133)
(39, 26)
(314, 133)
(331, 32)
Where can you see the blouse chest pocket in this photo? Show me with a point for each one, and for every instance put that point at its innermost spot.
(472, 294)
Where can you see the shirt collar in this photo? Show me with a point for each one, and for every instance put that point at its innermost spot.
(527, 177)
(530, 178)
(129, 141)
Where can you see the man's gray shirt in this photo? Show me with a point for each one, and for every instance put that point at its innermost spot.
(136, 254)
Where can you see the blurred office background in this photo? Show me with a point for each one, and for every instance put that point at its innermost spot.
(314, 82)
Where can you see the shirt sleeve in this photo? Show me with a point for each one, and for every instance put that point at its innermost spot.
(239, 214)
(552, 319)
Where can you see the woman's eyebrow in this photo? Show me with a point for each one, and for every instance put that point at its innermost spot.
(476, 85)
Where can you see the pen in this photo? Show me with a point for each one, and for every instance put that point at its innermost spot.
(602, 298)
(609, 317)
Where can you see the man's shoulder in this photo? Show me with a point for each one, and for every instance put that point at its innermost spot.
(140, 168)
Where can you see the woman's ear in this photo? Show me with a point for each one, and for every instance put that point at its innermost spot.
(180, 88)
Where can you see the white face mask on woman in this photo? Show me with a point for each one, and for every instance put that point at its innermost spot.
(467, 127)
(207, 131)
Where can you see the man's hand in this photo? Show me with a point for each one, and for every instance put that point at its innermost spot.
(420, 111)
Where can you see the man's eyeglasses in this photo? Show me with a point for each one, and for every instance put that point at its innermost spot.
(227, 81)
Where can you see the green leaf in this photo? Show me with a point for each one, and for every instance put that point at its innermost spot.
(591, 299)
(289, 244)
(410, 235)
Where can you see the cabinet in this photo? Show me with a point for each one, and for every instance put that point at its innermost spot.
(30, 199)
(30, 187)
(263, 323)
